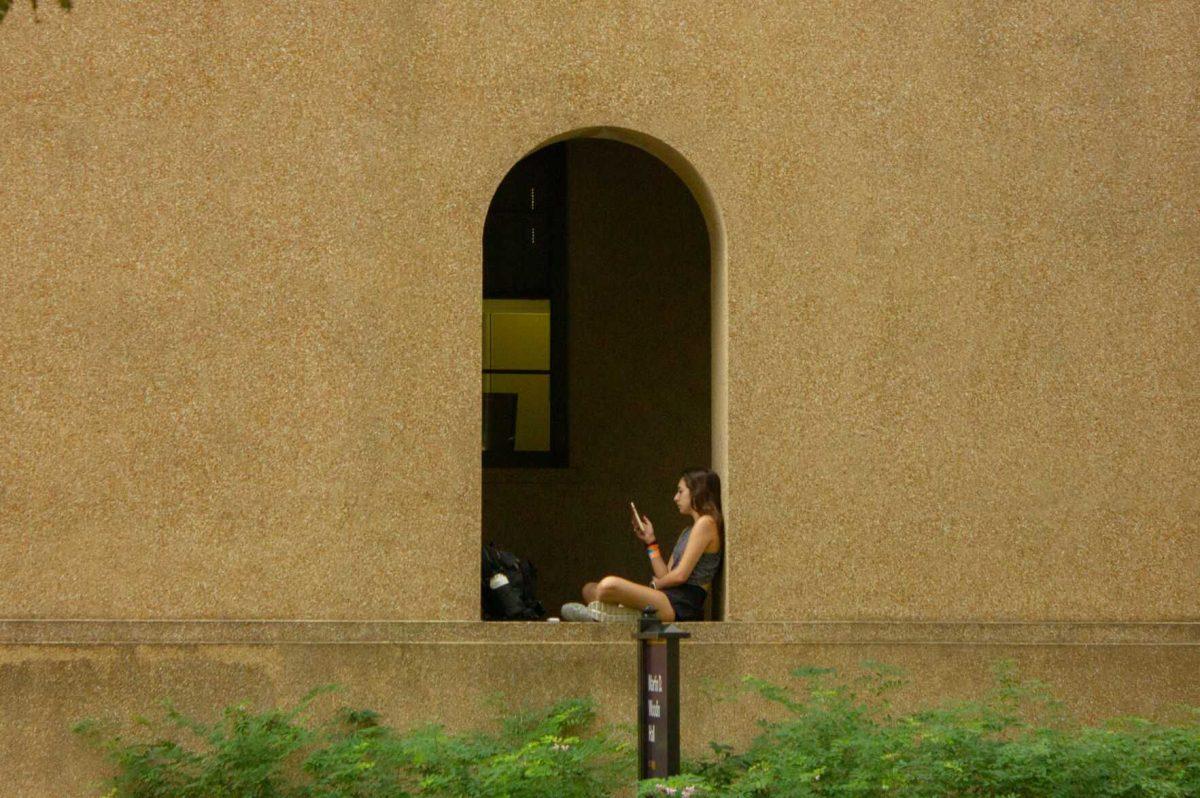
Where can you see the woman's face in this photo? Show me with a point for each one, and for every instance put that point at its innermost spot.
(683, 498)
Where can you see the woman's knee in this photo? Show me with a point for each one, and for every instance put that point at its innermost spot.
(606, 588)
(589, 592)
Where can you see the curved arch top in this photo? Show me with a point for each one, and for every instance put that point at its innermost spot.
(675, 160)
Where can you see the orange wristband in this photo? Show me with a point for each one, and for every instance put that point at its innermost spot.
(653, 551)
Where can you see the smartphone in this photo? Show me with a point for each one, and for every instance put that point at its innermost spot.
(637, 516)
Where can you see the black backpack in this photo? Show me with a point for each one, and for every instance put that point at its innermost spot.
(509, 587)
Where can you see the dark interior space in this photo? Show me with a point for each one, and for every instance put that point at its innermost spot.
(597, 372)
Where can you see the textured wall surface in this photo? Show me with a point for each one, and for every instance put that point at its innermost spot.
(239, 352)
(55, 674)
(639, 376)
(238, 343)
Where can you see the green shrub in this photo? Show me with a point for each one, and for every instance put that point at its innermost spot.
(277, 754)
(841, 739)
(838, 738)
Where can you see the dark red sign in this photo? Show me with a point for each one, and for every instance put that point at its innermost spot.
(658, 698)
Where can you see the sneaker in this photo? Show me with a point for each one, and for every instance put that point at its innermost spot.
(577, 612)
(614, 612)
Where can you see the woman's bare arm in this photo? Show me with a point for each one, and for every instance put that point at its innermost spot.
(658, 566)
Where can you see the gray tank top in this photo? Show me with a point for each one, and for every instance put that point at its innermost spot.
(706, 566)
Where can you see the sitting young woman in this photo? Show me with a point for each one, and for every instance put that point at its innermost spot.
(679, 587)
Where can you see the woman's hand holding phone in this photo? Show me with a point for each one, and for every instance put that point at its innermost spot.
(642, 526)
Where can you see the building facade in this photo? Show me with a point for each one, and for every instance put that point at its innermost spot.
(921, 283)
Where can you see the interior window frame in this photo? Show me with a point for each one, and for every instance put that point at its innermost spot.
(549, 167)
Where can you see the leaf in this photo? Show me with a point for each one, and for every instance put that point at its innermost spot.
(812, 671)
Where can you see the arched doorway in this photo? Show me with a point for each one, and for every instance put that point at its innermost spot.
(602, 355)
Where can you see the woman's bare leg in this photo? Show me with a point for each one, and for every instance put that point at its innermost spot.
(616, 590)
(589, 593)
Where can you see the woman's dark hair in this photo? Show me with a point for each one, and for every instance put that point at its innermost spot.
(705, 487)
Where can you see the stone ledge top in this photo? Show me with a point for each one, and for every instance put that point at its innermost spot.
(84, 632)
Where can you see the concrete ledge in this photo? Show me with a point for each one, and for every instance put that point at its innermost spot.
(251, 632)
(54, 673)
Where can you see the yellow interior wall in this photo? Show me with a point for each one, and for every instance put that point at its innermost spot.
(516, 335)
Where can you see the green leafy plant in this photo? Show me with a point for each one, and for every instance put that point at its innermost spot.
(838, 737)
(552, 753)
(842, 738)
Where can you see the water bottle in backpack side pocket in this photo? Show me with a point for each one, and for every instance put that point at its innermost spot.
(506, 595)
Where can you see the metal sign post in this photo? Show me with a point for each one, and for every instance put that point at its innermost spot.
(658, 696)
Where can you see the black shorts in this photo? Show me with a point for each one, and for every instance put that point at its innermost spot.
(687, 601)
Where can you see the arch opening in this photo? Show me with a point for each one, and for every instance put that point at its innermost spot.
(617, 327)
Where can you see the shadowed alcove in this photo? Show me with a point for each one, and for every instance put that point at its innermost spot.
(598, 376)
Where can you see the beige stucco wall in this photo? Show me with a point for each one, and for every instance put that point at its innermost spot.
(239, 355)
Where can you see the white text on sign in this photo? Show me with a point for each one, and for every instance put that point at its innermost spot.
(654, 683)
(654, 709)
